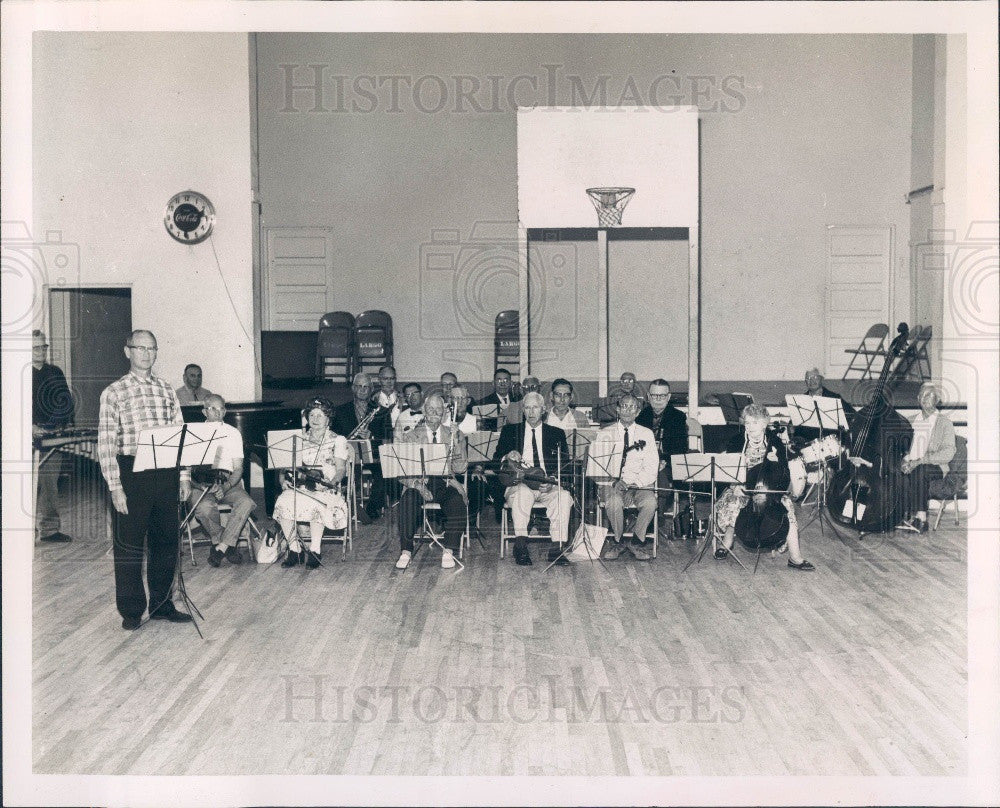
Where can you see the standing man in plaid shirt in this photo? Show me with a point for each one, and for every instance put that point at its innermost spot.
(146, 501)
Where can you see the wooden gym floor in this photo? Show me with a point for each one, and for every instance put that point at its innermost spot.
(629, 669)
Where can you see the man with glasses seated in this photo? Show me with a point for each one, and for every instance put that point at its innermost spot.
(191, 392)
(628, 454)
(669, 426)
(223, 485)
(561, 413)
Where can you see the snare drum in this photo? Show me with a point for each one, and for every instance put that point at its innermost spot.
(821, 450)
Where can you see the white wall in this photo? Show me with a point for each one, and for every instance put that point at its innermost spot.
(797, 133)
(121, 122)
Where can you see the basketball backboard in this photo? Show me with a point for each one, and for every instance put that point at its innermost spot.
(562, 151)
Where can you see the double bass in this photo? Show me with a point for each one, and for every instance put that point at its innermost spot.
(865, 493)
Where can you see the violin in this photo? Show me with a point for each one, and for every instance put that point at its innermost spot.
(513, 472)
(313, 477)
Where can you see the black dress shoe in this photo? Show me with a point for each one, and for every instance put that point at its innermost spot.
(805, 566)
(57, 538)
(722, 552)
(292, 559)
(313, 560)
(131, 623)
(233, 556)
(169, 612)
(523, 559)
(920, 525)
(215, 556)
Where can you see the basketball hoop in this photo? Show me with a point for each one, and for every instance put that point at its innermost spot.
(610, 202)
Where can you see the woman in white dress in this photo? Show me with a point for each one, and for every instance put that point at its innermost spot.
(316, 501)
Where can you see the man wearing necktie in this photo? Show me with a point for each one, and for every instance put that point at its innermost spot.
(448, 492)
(538, 445)
(627, 453)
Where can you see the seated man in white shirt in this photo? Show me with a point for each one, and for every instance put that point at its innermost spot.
(228, 490)
(459, 403)
(561, 413)
(412, 415)
(535, 444)
(627, 453)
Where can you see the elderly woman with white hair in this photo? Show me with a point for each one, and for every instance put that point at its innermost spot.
(932, 448)
(765, 452)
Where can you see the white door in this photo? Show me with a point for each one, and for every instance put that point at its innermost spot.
(297, 285)
(859, 291)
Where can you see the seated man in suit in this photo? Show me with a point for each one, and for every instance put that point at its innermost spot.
(669, 426)
(500, 398)
(815, 387)
(227, 489)
(446, 491)
(191, 392)
(627, 453)
(535, 444)
(346, 418)
(515, 412)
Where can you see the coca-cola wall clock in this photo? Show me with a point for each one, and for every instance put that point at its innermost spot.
(189, 217)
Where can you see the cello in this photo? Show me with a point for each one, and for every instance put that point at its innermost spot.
(864, 494)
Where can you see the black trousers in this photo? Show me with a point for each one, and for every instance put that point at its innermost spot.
(151, 521)
(452, 505)
(916, 486)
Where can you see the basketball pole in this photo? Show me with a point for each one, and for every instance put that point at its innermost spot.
(603, 353)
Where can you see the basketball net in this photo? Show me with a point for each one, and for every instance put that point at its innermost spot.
(609, 203)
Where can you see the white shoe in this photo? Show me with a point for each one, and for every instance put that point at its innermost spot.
(404, 560)
(447, 560)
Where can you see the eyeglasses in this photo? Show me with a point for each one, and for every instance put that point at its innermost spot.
(659, 395)
(142, 348)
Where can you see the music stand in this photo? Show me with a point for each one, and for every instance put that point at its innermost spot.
(481, 445)
(363, 456)
(176, 446)
(818, 412)
(417, 460)
(728, 468)
(487, 412)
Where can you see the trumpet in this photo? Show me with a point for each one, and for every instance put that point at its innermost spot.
(364, 422)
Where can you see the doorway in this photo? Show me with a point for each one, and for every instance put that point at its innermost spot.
(88, 328)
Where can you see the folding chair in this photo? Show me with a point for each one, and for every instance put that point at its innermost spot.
(373, 340)
(335, 346)
(872, 345)
(435, 535)
(915, 354)
(955, 484)
(507, 342)
(631, 511)
(251, 531)
(345, 535)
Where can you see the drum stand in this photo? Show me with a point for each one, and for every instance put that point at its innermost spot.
(820, 511)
